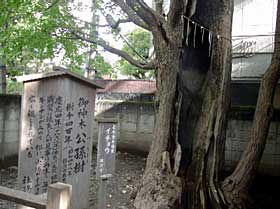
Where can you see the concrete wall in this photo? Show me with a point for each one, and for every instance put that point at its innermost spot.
(237, 137)
(250, 66)
(254, 17)
(9, 126)
(136, 122)
(135, 114)
(252, 36)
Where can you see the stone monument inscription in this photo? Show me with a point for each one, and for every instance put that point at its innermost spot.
(56, 137)
(106, 148)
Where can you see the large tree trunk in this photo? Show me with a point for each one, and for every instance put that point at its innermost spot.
(203, 174)
(160, 187)
(237, 185)
(191, 105)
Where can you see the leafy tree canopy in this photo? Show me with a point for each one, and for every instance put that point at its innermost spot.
(33, 31)
(138, 46)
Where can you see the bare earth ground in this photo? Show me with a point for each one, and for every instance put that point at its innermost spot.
(129, 170)
(121, 189)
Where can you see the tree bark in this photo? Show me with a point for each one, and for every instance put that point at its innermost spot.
(184, 165)
(3, 72)
(209, 133)
(237, 185)
(160, 188)
(191, 105)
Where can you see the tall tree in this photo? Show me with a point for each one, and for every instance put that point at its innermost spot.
(185, 162)
(192, 47)
(192, 99)
(93, 31)
(237, 185)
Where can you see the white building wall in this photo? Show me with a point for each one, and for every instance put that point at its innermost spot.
(253, 34)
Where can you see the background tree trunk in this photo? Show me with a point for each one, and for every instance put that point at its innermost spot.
(3, 71)
(237, 185)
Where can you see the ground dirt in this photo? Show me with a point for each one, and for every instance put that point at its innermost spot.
(128, 173)
(121, 189)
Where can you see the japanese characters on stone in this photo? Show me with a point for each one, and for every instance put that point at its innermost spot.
(56, 133)
(43, 140)
(106, 148)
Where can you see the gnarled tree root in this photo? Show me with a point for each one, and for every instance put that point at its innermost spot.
(160, 189)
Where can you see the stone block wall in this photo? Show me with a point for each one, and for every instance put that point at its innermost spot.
(9, 126)
(237, 137)
(135, 114)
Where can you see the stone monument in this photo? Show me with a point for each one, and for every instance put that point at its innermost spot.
(107, 141)
(106, 156)
(56, 133)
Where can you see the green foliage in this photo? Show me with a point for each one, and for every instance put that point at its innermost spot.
(101, 66)
(75, 69)
(14, 87)
(140, 42)
(32, 31)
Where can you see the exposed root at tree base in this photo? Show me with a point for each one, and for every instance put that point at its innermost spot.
(236, 199)
(159, 190)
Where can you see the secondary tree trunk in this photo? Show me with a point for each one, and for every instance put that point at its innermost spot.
(236, 186)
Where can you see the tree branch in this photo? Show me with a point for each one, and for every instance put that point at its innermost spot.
(52, 5)
(190, 8)
(147, 14)
(152, 18)
(147, 66)
(121, 21)
(131, 14)
(158, 5)
(89, 23)
(176, 10)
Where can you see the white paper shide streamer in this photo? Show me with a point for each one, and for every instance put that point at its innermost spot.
(210, 42)
(188, 28)
(202, 34)
(194, 34)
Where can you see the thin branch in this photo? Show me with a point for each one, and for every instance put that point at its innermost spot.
(89, 23)
(131, 14)
(124, 20)
(147, 66)
(52, 5)
(121, 21)
(131, 47)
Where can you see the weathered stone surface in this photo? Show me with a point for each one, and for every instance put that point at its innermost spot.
(56, 136)
(107, 142)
